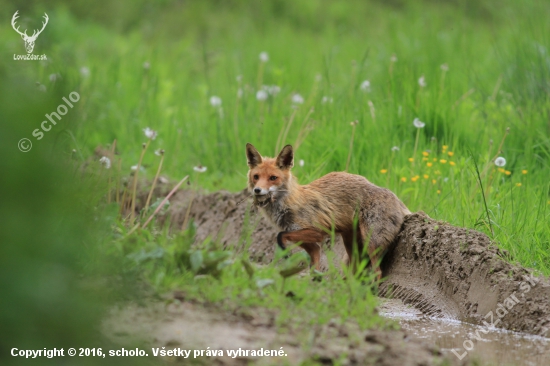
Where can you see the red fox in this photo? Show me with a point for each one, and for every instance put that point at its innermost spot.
(304, 213)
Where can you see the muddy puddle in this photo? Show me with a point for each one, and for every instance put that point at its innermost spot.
(496, 347)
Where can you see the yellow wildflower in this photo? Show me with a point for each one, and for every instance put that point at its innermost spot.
(443, 161)
(524, 171)
(426, 176)
(438, 191)
(429, 164)
(507, 172)
(384, 171)
(411, 159)
(445, 147)
(452, 163)
(434, 181)
(403, 179)
(501, 170)
(425, 153)
(415, 178)
(450, 153)
(518, 184)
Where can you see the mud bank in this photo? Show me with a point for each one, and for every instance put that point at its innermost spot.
(442, 270)
(194, 326)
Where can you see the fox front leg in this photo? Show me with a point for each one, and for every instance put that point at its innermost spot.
(308, 239)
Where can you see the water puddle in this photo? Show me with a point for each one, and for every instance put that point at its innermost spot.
(496, 347)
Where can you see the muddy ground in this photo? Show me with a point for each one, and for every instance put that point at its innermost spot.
(441, 270)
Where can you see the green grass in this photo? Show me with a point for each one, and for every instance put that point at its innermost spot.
(498, 76)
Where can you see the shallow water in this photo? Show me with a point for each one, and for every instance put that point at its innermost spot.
(496, 347)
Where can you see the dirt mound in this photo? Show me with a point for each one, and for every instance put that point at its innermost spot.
(442, 270)
(200, 327)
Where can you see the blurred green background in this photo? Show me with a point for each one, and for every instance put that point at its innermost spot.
(156, 64)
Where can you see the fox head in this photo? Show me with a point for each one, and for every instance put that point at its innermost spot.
(269, 178)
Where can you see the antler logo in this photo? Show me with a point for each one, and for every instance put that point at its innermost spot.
(29, 40)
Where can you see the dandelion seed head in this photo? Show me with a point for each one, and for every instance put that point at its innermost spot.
(500, 161)
(106, 162)
(418, 123)
(365, 86)
(261, 95)
(297, 99)
(199, 169)
(264, 56)
(422, 82)
(159, 152)
(395, 148)
(301, 162)
(149, 133)
(444, 67)
(215, 101)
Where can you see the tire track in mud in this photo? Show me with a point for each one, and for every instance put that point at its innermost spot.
(442, 270)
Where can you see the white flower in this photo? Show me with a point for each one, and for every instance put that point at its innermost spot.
(301, 162)
(261, 95)
(445, 180)
(159, 152)
(445, 67)
(395, 148)
(106, 162)
(393, 58)
(326, 100)
(297, 99)
(418, 123)
(84, 71)
(422, 82)
(273, 89)
(199, 169)
(264, 57)
(134, 168)
(215, 101)
(500, 161)
(365, 86)
(149, 133)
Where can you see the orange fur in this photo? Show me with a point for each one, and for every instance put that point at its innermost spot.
(305, 213)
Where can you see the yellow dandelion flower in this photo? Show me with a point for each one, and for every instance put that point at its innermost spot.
(452, 163)
(502, 170)
(443, 161)
(524, 171)
(424, 159)
(438, 191)
(411, 159)
(425, 153)
(429, 164)
(518, 184)
(507, 172)
(450, 153)
(434, 181)
(414, 179)
(403, 179)
(383, 171)
(426, 176)
(445, 147)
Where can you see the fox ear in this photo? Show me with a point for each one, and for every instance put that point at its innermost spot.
(253, 156)
(285, 159)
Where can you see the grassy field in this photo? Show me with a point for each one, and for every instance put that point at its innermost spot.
(475, 73)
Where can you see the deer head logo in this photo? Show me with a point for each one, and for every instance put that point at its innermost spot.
(29, 40)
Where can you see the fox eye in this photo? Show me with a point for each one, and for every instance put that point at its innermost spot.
(256, 177)
(273, 177)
